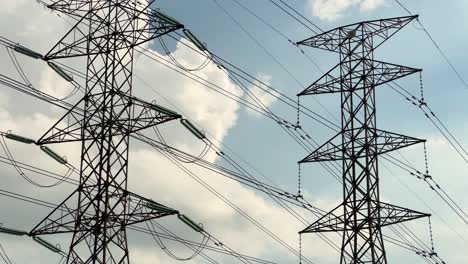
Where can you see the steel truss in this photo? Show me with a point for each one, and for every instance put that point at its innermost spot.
(105, 35)
(359, 143)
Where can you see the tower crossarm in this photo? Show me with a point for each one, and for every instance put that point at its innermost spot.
(333, 150)
(141, 25)
(334, 221)
(358, 33)
(381, 72)
(72, 7)
(144, 115)
(391, 214)
(62, 219)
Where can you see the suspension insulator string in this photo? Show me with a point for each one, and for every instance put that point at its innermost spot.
(432, 253)
(298, 122)
(421, 101)
(426, 175)
(299, 194)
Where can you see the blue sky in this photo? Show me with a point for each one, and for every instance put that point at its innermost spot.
(274, 153)
(259, 140)
(410, 47)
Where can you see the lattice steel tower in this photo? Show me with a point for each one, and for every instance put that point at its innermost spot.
(98, 212)
(359, 143)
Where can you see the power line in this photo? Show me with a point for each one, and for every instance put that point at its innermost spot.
(269, 54)
(436, 45)
(293, 16)
(300, 15)
(72, 181)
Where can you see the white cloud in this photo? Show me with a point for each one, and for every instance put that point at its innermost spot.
(333, 9)
(369, 5)
(256, 94)
(150, 174)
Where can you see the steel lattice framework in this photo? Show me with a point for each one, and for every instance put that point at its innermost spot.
(105, 35)
(359, 143)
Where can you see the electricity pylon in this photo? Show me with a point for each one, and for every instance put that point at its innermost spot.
(359, 143)
(98, 212)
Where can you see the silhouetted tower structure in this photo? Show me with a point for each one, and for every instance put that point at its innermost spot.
(359, 143)
(98, 212)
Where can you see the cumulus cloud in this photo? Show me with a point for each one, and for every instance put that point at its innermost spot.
(333, 9)
(151, 174)
(266, 96)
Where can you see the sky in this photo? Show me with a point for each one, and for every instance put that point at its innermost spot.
(246, 135)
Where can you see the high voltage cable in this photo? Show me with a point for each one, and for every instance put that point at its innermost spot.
(307, 111)
(280, 202)
(300, 15)
(294, 17)
(278, 32)
(230, 203)
(292, 135)
(288, 125)
(4, 255)
(257, 18)
(205, 163)
(293, 249)
(273, 197)
(263, 21)
(36, 201)
(261, 85)
(425, 105)
(440, 126)
(13, 162)
(306, 148)
(182, 153)
(268, 232)
(74, 182)
(269, 54)
(446, 199)
(436, 45)
(437, 126)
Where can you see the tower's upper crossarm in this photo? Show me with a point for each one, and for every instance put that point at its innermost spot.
(377, 30)
(77, 8)
(136, 25)
(80, 8)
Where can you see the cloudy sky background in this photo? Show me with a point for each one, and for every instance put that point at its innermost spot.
(257, 139)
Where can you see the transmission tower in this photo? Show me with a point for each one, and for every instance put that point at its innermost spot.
(362, 215)
(98, 212)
